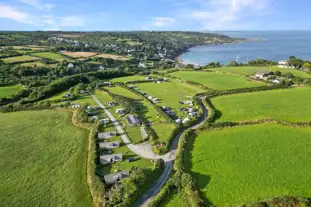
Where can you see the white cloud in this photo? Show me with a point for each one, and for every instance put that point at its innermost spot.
(71, 21)
(38, 5)
(162, 21)
(226, 14)
(11, 13)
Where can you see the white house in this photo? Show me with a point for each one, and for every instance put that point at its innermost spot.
(283, 64)
(261, 76)
(70, 65)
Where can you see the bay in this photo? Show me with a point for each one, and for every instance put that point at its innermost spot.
(273, 45)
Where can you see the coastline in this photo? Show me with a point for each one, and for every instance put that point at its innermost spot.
(180, 62)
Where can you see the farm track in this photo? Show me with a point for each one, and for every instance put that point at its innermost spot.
(168, 166)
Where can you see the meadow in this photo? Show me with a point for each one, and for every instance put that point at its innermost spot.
(19, 59)
(287, 104)
(218, 81)
(245, 164)
(39, 64)
(112, 56)
(43, 160)
(51, 55)
(169, 93)
(251, 70)
(128, 78)
(8, 91)
(80, 54)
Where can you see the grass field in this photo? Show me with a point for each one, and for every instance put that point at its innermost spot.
(128, 78)
(175, 200)
(251, 163)
(163, 131)
(247, 70)
(218, 81)
(170, 93)
(80, 54)
(43, 160)
(112, 56)
(8, 91)
(18, 59)
(51, 55)
(290, 105)
(39, 64)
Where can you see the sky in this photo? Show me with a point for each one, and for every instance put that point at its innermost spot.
(125, 15)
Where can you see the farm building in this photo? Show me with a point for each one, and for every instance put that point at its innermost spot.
(116, 177)
(106, 135)
(109, 145)
(109, 159)
(133, 120)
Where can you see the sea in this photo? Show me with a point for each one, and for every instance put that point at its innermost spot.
(272, 45)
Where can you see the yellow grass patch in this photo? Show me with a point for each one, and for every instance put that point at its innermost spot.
(112, 56)
(80, 54)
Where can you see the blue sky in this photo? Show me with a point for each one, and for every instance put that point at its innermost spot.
(90, 15)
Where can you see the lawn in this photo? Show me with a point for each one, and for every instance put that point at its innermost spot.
(51, 55)
(251, 163)
(247, 70)
(170, 93)
(8, 91)
(43, 160)
(174, 200)
(218, 81)
(18, 59)
(163, 131)
(287, 104)
(128, 78)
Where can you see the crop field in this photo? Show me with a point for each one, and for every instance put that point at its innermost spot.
(128, 78)
(18, 59)
(51, 55)
(170, 93)
(80, 54)
(247, 70)
(43, 160)
(8, 91)
(287, 104)
(250, 163)
(112, 56)
(218, 81)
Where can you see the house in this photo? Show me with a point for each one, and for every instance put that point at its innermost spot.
(104, 121)
(261, 75)
(186, 120)
(121, 112)
(283, 64)
(70, 65)
(133, 121)
(109, 145)
(116, 177)
(178, 121)
(106, 135)
(109, 159)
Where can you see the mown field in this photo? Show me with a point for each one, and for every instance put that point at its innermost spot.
(18, 59)
(251, 163)
(128, 78)
(250, 70)
(287, 104)
(51, 55)
(80, 54)
(43, 160)
(218, 81)
(8, 91)
(112, 56)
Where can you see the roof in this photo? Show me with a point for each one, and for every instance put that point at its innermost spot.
(106, 135)
(107, 159)
(133, 120)
(115, 177)
(109, 145)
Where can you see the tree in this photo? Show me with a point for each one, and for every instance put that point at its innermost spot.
(233, 64)
(292, 58)
(278, 73)
(307, 66)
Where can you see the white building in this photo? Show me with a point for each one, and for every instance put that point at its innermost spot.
(70, 65)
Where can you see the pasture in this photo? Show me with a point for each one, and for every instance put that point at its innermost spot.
(169, 93)
(51, 55)
(43, 160)
(8, 91)
(19, 59)
(251, 70)
(287, 104)
(128, 78)
(112, 56)
(39, 64)
(218, 81)
(77, 55)
(251, 163)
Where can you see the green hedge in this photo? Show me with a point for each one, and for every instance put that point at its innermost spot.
(281, 202)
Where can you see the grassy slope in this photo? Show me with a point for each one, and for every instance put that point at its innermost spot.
(289, 105)
(128, 78)
(39, 64)
(19, 59)
(43, 160)
(170, 93)
(218, 81)
(51, 55)
(252, 70)
(8, 91)
(251, 163)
